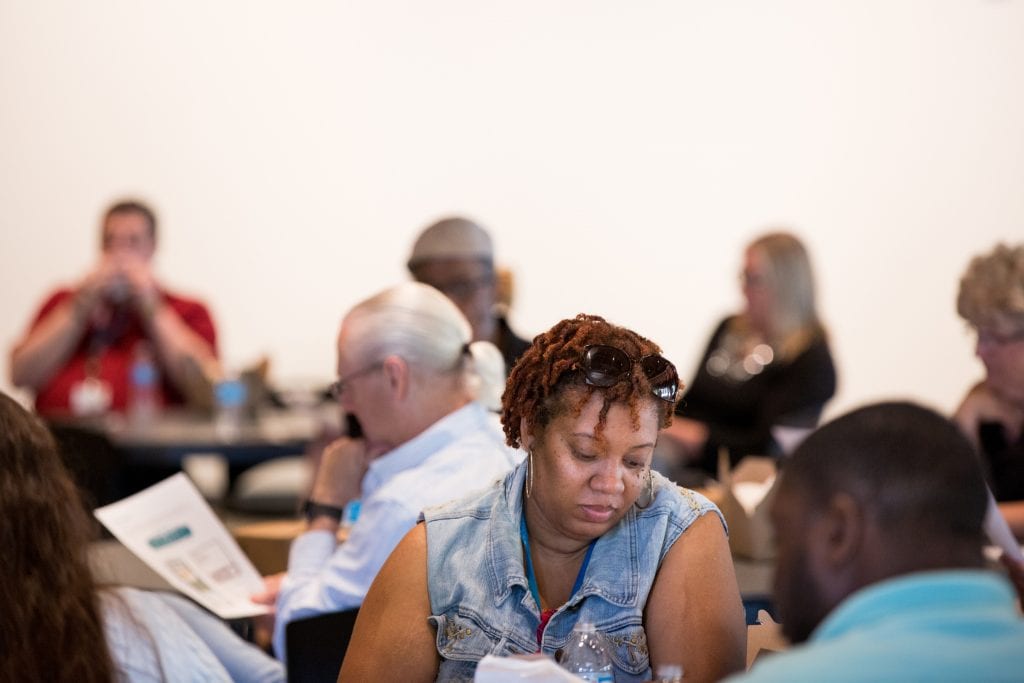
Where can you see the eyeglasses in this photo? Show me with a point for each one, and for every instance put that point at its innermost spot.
(988, 337)
(753, 279)
(461, 288)
(604, 366)
(338, 387)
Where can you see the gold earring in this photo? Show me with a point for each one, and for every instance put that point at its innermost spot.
(529, 473)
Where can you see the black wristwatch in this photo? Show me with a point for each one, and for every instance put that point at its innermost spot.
(313, 510)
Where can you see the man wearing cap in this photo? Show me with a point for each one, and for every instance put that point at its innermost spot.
(456, 256)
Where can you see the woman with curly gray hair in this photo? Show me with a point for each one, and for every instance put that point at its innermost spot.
(991, 300)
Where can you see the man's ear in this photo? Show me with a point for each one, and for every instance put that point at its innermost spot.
(525, 435)
(841, 531)
(396, 373)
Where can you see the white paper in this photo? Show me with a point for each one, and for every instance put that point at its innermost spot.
(749, 494)
(789, 438)
(999, 531)
(521, 669)
(171, 528)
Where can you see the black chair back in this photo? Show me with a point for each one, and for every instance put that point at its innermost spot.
(316, 646)
(752, 604)
(96, 465)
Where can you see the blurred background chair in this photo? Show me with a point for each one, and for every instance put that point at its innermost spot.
(274, 487)
(96, 465)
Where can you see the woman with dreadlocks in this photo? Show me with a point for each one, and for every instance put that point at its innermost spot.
(582, 530)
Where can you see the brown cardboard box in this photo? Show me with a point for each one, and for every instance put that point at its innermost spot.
(764, 638)
(267, 543)
(750, 532)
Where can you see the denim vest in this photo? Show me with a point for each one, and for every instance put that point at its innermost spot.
(480, 599)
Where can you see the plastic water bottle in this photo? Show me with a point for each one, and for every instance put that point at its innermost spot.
(143, 400)
(669, 673)
(229, 396)
(586, 655)
(351, 512)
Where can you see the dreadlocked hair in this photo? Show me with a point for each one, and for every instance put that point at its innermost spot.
(538, 385)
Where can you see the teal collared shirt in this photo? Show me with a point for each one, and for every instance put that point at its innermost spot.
(929, 626)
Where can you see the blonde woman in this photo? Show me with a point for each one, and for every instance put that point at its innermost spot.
(767, 366)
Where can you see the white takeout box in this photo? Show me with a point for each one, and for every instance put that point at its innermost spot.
(745, 496)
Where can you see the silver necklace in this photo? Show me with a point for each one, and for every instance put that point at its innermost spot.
(738, 358)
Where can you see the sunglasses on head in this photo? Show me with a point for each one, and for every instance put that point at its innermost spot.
(604, 366)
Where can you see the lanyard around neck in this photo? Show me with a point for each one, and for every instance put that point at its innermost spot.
(532, 578)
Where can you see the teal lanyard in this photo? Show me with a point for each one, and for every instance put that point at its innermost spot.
(532, 578)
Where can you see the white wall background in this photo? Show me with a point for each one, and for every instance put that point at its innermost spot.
(620, 152)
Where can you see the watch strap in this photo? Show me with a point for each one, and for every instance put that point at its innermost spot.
(312, 510)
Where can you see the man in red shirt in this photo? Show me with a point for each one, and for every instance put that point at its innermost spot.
(77, 355)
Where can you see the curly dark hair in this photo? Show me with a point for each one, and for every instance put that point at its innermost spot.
(538, 383)
(52, 628)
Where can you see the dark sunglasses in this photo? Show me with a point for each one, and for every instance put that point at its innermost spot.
(604, 366)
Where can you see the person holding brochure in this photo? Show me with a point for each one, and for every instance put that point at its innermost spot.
(57, 623)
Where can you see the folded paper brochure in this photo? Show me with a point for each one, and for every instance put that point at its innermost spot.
(171, 528)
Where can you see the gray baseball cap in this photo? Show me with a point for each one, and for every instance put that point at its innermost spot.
(453, 237)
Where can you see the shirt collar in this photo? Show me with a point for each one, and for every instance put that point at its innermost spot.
(914, 592)
(417, 449)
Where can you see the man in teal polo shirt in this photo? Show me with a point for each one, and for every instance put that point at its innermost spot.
(880, 574)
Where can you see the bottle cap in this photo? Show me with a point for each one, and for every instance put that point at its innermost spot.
(143, 373)
(230, 393)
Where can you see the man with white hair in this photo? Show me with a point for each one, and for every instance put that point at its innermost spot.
(456, 256)
(409, 372)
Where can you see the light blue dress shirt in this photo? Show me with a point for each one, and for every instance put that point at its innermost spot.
(156, 637)
(927, 626)
(463, 452)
